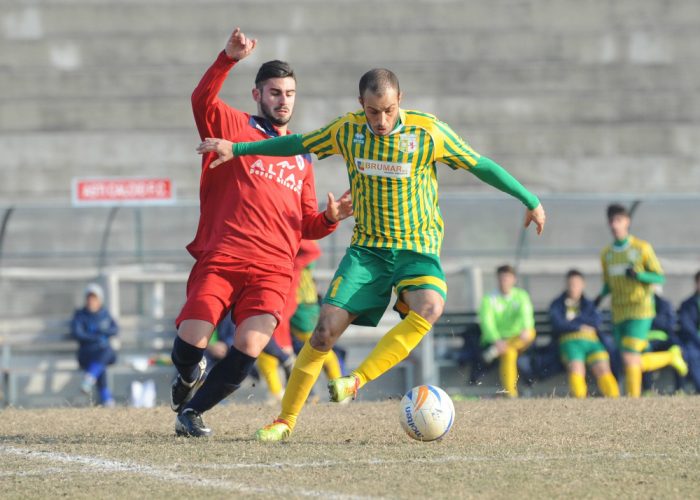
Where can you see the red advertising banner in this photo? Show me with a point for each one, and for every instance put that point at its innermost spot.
(123, 191)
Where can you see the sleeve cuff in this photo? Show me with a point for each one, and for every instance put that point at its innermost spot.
(224, 59)
(532, 202)
(327, 221)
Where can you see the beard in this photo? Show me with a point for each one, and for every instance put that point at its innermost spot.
(276, 120)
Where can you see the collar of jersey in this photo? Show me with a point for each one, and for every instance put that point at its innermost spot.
(622, 245)
(264, 125)
(509, 295)
(397, 128)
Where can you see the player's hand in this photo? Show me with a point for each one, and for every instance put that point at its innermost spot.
(221, 147)
(631, 273)
(501, 346)
(339, 209)
(239, 46)
(537, 216)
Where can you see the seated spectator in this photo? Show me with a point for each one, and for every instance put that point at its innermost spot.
(92, 326)
(662, 336)
(575, 321)
(507, 327)
(689, 333)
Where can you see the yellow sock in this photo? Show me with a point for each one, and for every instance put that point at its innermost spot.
(608, 385)
(577, 385)
(656, 360)
(332, 366)
(519, 344)
(508, 368)
(306, 370)
(268, 366)
(633, 381)
(393, 347)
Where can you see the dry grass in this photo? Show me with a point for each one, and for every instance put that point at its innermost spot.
(646, 448)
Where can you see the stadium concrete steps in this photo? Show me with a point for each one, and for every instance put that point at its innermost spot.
(546, 83)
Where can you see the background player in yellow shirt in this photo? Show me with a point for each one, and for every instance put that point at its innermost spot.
(391, 157)
(630, 269)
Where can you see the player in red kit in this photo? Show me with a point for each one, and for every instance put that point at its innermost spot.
(253, 215)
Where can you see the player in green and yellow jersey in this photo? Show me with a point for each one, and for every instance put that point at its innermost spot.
(391, 157)
(630, 269)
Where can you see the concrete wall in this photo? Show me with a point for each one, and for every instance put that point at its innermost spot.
(570, 95)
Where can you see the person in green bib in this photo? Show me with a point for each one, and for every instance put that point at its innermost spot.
(391, 156)
(507, 324)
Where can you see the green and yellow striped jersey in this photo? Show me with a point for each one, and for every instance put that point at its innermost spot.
(631, 299)
(393, 178)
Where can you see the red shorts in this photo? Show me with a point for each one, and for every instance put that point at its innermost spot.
(219, 282)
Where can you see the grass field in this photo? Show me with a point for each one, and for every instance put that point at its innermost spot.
(648, 448)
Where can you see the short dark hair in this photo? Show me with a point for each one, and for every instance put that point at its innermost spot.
(697, 276)
(505, 268)
(377, 80)
(574, 272)
(273, 69)
(617, 209)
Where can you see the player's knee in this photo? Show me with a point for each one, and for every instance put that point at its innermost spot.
(323, 338)
(195, 332)
(431, 310)
(631, 358)
(600, 369)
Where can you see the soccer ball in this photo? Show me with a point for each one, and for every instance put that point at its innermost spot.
(427, 413)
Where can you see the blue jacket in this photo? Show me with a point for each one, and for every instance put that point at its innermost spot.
(689, 319)
(92, 330)
(588, 315)
(665, 319)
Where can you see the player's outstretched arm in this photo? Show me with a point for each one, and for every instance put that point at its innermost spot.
(286, 145)
(239, 46)
(493, 174)
(212, 116)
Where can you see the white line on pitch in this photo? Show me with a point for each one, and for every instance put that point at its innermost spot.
(97, 464)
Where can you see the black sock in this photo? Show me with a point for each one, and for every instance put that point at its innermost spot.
(226, 376)
(273, 349)
(186, 357)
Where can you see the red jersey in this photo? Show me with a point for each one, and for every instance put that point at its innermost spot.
(252, 207)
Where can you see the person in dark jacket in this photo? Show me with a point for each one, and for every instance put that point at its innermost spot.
(575, 321)
(689, 332)
(662, 337)
(92, 326)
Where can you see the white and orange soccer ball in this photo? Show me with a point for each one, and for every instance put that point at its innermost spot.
(427, 413)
